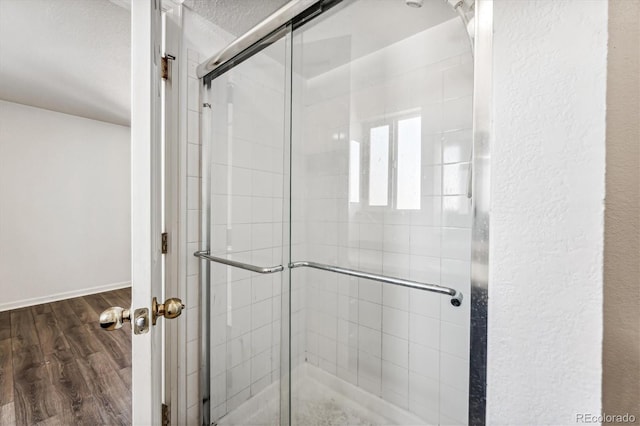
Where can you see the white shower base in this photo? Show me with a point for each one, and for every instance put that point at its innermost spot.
(319, 398)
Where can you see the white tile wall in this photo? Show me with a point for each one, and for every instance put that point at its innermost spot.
(192, 300)
(246, 225)
(407, 346)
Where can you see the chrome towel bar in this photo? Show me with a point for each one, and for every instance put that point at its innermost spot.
(456, 296)
(204, 254)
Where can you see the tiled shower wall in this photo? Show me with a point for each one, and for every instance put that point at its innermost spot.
(193, 178)
(247, 184)
(409, 347)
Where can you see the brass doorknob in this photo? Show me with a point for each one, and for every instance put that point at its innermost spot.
(171, 308)
(114, 317)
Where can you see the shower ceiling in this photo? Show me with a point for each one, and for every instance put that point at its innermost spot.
(340, 37)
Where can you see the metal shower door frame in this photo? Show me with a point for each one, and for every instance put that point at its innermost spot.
(482, 136)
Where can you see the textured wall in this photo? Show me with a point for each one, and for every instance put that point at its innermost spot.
(71, 56)
(236, 17)
(621, 352)
(545, 305)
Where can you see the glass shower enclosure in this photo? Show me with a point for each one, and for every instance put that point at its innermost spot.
(337, 183)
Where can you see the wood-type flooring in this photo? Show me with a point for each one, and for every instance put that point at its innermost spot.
(58, 367)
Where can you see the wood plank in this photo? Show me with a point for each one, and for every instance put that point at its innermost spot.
(33, 399)
(82, 342)
(125, 375)
(5, 325)
(107, 388)
(118, 298)
(7, 414)
(57, 420)
(83, 313)
(6, 373)
(67, 381)
(51, 338)
(66, 316)
(44, 308)
(24, 342)
(57, 366)
(23, 329)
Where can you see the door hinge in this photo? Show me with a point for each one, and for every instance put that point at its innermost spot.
(166, 419)
(166, 68)
(165, 242)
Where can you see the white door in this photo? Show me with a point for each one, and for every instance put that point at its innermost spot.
(150, 362)
(146, 210)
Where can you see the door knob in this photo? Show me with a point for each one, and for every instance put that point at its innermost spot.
(114, 317)
(171, 308)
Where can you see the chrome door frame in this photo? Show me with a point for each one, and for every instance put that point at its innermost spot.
(481, 184)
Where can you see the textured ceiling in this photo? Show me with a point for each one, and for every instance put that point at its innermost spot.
(71, 56)
(234, 16)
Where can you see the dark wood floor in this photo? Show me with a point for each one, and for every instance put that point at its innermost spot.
(58, 367)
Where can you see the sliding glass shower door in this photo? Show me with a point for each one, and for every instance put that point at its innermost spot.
(381, 147)
(243, 153)
(340, 221)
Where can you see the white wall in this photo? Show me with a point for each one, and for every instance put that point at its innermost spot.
(547, 161)
(64, 206)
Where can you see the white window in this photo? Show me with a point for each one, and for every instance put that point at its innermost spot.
(379, 166)
(409, 162)
(392, 164)
(354, 172)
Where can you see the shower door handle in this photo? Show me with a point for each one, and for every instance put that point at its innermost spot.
(204, 254)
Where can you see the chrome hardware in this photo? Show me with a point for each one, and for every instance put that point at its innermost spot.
(141, 321)
(165, 69)
(456, 296)
(265, 28)
(171, 308)
(204, 254)
(165, 242)
(114, 317)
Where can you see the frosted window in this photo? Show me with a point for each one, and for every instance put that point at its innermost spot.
(409, 163)
(379, 166)
(354, 172)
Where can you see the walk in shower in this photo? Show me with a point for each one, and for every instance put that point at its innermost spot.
(337, 191)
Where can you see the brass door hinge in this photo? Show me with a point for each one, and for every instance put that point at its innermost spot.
(166, 419)
(165, 243)
(166, 68)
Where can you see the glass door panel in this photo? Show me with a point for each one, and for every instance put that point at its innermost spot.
(244, 133)
(380, 145)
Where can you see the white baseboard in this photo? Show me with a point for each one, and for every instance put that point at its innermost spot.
(7, 306)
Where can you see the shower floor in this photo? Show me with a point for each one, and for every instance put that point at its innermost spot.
(320, 399)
